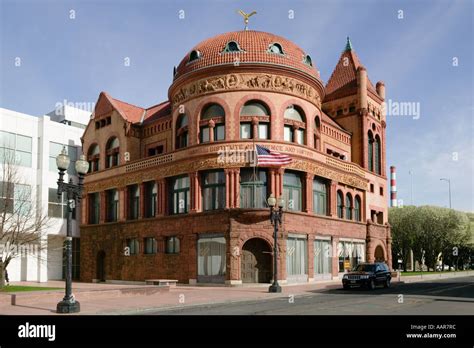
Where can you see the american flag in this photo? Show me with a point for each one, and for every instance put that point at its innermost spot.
(266, 157)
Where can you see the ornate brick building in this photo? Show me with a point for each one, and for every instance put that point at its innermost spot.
(172, 193)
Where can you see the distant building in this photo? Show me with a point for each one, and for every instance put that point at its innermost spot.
(36, 142)
(169, 196)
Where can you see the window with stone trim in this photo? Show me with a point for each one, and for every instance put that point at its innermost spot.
(295, 124)
(133, 246)
(340, 205)
(292, 191)
(179, 195)
(212, 120)
(254, 110)
(348, 214)
(112, 205)
(151, 198)
(213, 190)
(112, 153)
(94, 207)
(93, 156)
(357, 204)
(173, 245)
(253, 188)
(182, 133)
(320, 196)
(133, 194)
(151, 246)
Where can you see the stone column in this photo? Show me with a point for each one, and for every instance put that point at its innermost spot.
(335, 257)
(272, 185)
(310, 254)
(254, 127)
(191, 242)
(234, 261)
(212, 124)
(228, 187)
(370, 252)
(194, 191)
(237, 188)
(280, 174)
(123, 204)
(161, 197)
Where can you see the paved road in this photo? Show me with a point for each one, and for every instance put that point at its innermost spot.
(452, 296)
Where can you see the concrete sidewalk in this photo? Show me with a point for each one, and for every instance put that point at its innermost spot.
(179, 296)
(174, 297)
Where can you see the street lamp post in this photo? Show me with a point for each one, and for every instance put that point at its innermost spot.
(449, 186)
(276, 212)
(73, 193)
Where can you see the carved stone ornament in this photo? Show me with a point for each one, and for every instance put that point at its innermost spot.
(229, 82)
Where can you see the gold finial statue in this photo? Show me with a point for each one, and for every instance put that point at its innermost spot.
(246, 17)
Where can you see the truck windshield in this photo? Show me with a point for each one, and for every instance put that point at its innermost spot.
(365, 268)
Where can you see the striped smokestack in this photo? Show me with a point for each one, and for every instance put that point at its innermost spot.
(393, 187)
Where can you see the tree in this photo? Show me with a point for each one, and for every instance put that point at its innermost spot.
(431, 233)
(22, 223)
(405, 228)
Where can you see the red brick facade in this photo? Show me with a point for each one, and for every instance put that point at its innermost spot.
(333, 150)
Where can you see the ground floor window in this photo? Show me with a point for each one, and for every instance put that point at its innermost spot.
(322, 257)
(211, 259)
(350, 254)
(297, 257)
(172, 245)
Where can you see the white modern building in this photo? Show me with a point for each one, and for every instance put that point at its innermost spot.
(36, 141)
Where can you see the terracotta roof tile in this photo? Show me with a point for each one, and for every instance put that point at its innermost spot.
(343, 80)
(254, 45)
(158, 111)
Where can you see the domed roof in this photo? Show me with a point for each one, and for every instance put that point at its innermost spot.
(244, 47)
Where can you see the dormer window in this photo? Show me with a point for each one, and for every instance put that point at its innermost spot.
(307, 60)
(275, 48)
(194, 55)
(232, 46)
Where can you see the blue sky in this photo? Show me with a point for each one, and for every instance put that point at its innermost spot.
(75, 59)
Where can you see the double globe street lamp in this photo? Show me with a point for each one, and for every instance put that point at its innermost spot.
(276, 213)
(73, 194)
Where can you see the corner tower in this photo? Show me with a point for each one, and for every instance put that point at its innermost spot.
(353, 101)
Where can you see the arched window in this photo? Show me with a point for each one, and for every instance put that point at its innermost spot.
(377, 158)
(212, 124)
(232, 46)
(317, 133)
(319, 196)
(294, 125)
(340, 207)
(370, 151)
(307, 60)
(275, 48)
(182, 134)
(93, 156)
(112, 153)
(348, 207)
(357, 216)
(249, 129)
(194, 55)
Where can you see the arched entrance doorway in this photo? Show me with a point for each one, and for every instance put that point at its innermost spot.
(100, 274)
(256, 261)
(379, 254)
